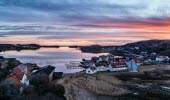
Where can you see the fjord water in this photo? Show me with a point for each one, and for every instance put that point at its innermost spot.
(50, 56)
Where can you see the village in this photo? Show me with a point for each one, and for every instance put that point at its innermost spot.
(120, 77)
(19, 76)
(129, 63)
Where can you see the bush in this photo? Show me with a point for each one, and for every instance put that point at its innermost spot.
(40, 80)
(56, 89)
(41, 86)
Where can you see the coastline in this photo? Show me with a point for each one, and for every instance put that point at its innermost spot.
(19, 47)
(122, 85)
(108, 85)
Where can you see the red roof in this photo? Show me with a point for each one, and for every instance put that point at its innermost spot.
(14, 79)
(118, 64)
(161, 56)
(138, 60)
(93, 68)
(19, 75)
(132, 57)
(123, 60)
(94, 59)
(103, 56)
(113, 65)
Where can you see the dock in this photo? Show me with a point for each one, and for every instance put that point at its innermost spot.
(73, 65)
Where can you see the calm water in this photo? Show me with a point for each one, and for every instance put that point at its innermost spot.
(50, 56)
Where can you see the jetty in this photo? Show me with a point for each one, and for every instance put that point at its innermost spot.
(73, 65)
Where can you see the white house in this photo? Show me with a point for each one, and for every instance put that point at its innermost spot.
(117, 67)
(102, 68)
(136, 48)
(162, 58)
(103, 58)
(25, 80)
(91, 70)
(132, 66)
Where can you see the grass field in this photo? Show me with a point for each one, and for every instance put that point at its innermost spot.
(120, 85)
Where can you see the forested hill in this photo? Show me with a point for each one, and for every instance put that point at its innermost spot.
(161, 47)
(150, 43)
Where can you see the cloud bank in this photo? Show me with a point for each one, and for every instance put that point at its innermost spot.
(83, 21)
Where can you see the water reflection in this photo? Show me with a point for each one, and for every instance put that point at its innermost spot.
(50, 56)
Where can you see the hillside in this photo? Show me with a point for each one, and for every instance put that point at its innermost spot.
(145, 85)
(158, 46)
(150, 43)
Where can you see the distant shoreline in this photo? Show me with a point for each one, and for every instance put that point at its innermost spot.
(19, 47)
(150, 46)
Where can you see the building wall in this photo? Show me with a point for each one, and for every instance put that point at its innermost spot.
(89, 71)
(51, 76)
(132, 66)
(117, 69)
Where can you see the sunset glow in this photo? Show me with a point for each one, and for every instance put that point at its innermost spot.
(77, 22)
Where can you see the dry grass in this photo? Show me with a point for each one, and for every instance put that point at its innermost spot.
(81, 86)
(153, 67)
(103, 84)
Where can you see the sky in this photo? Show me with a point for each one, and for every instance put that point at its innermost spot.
(83, 22)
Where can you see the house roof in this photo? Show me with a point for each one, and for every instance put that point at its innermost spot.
(22, 67)
(57, 74)
(94, 59)
(113, 65)
(16, 70)
(132, 57)
(161, 56)
(19, 75)
(138, 60)
(93, 68)
(13, 78)
(47, 70)
(123, 60)
(118, 64)
(19, 68)
(102, 56)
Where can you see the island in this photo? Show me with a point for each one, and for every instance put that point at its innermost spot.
(19, 47)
